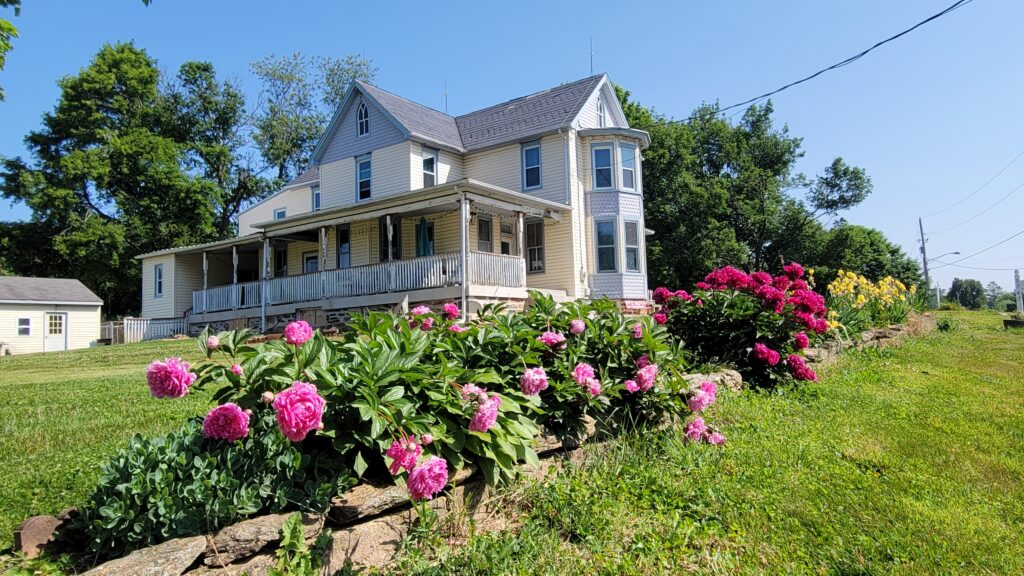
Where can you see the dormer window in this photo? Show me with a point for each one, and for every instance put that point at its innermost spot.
(363, 120)
(601, 116)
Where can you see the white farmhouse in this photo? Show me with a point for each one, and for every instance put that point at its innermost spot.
(402, 201)
(47, 315)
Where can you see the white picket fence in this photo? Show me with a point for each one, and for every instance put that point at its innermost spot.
(139, 329)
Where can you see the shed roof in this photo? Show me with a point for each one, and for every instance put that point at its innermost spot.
(45, 290)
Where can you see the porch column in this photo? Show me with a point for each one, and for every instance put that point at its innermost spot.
(390, 266)
(263, 284)
(234, 277)
(519, 235)
(464, 232)
(322, 261)
(206, 266)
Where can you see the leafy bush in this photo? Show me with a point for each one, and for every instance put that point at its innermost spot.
(184, 484)
(755, 322)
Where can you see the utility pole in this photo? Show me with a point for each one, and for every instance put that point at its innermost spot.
(1020, 298)
(924, 259)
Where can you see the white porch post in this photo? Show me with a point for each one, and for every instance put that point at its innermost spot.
(464, 232)
(263, 284)
(234, 277)
(322, 261)
(521, 242)
(206, 266)
(391, 267)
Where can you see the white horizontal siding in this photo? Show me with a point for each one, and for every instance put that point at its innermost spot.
(82, 327)
(390, 176)
(502, 167)
(162, 307)
(295, 201)
(188, 276)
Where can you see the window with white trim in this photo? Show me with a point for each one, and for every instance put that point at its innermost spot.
(280, 213)
(531, 166)
(429, 167)
(632, 245)
(601, 156)
(362, 120)
(158, 280)
(316, 198)
(24, 326)
(484, 234)
(601, 116)
(604, 230)
(534, 246)
(364, 173)
(627, 153)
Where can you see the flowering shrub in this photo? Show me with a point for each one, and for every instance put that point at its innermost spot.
(856, 303)
(756, 322)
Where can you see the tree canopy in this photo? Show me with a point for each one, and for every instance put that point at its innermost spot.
(967, 293)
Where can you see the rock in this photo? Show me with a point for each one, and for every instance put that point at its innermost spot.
(372, 543)
(366, 500)
(258, 565)
(730, 379)
(867, 336)
(33, 535)
(816, 354)
(245, 538)
(171, 558)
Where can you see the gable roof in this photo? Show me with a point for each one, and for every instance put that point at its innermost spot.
(524, 117)
(45, 290)
(309, 177)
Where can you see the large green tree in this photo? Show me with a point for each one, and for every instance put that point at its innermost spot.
(967, 293)
(865, 251)
(7, 35)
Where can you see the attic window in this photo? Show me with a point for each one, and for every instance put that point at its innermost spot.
(600, 113)
(363, 120)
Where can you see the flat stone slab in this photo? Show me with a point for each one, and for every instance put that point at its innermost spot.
(730, 379)
(258, 565)
(372, 543)
(171, 558)
(32, 535)
(250, 536)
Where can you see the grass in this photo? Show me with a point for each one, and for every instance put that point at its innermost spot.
(907, 460)
(65, 413)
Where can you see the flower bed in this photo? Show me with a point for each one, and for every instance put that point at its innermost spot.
(416, 397)
(856, 303)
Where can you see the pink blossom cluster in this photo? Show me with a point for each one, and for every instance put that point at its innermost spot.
(577, 326)
(451, 310)
(236, 370)
(646, 376)
(809, 310)
(724, 279)
(582, 372)
(801, 341)
(703, 397)
(420, 310)
(169, 378)
(799, 369)
(212, 343)
(642, 361)
(404, 454)
(533, 381)
(660, 318)
(298, 332)
(551, 338)
(664, 297)
(226, 422)
(428, 479)
(698, 431)
(766, 355)
(427, 324)
(458, 328)
(486, 407)
(299, 410)
(638, 331)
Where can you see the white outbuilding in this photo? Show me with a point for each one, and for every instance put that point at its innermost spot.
(47, 315)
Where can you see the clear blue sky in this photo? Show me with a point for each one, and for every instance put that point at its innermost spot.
(931, 116)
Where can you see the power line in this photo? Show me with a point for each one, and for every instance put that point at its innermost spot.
(973, 267)
(1003, 241)
(979, 189)
(975, 217)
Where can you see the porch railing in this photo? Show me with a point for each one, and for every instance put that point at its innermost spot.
(436, 271)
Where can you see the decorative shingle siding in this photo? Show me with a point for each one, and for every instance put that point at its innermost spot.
(345, 143)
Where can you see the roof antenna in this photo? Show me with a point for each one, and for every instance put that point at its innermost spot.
(445, 95)
(591, 54)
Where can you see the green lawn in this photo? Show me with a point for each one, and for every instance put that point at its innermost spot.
(65, 413)
(903, 461)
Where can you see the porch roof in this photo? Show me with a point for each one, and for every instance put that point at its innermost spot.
(197, 248)
(440, 198)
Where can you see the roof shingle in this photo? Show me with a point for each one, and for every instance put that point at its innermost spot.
(27, 289)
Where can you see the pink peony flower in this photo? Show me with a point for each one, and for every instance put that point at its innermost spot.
(577, 326)
(593, 386)
(638, 330)
(761, 279)
(299, 410)
(793, 271)
(660, 318)
(226, 422)
(428, 479)
(457, 328)
(646, 376)
(683, 295)
(700, 303)
(582, 372)
(427, 439)
(766, 354)
(781, 283)
(798, 285)
(632, 386)
(725, 278)
(716, 439)
(212, 343)
(427, 324)
(298, 332)
(474, 392)
(403, 454)
(699, 401)
(642, 361)
(696, 430)
(661, 295)
(801, 341)
(772, 297)
(533, 381)
(551, 338)
(236, 370)
(710, 388)
(169, 378)
(420, 310)
(486, 415)
(451, 310)
(799, 369)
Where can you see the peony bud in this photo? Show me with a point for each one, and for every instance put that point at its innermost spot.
(212, 343)
(267, 397)
(427, 439)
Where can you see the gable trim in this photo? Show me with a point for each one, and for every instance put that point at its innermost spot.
(611, 103)
(335, 123)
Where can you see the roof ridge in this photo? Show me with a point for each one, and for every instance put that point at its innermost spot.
(400, 97)
(532, 94)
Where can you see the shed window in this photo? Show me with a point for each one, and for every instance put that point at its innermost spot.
(531, 166)
(158, 280)
(24, 326)
(484, 234)
(429, 167)
(363, 120)
(280, 213)
(602, 157)
(605, 245)
(628, 154)
(364, 173)
(534, 246)
(632, 246)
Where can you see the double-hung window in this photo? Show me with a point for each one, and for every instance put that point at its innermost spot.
(632, 246)
(280, 213)
(429, 167)
(344, 246)
(484, 234)
(158, 280)
(605, 232)
(602, 159)
(362, 120)
(531, 166)
(363, 176)
(627, 154)
(24, 326)
(534, 246)
(316, 198)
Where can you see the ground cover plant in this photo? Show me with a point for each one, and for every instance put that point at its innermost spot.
(904, 460)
